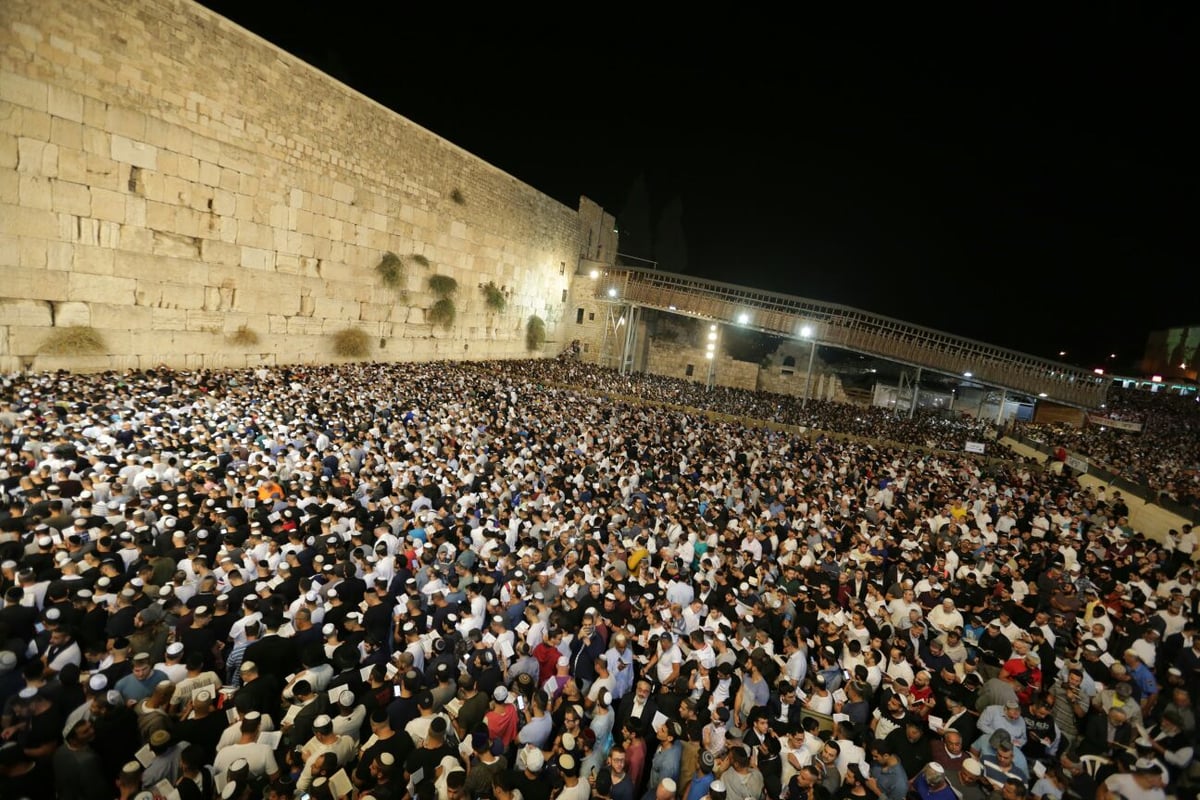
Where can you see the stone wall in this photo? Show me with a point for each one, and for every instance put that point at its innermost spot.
(168, 179)
(673, 360)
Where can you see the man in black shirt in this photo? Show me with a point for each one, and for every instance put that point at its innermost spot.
(613, 782)
(426, 758)
(383, 739)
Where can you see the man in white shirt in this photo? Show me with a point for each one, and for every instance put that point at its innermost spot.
(260, 758)
(324, 740)
(250, 613)
(946, 617)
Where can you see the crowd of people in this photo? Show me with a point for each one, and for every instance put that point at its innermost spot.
(927, 428)
(464, 580)
(1163, 456)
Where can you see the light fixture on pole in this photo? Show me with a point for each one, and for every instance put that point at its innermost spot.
(807, 333)
(710, 354)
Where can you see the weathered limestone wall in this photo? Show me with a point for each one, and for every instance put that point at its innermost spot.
(672, 360)
(167, 178)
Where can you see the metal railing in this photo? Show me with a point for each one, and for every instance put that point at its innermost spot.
(852, 329)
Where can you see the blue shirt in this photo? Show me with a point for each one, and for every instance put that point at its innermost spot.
(133, 689)
(666, 764)
(699, 786)
(921, 787)
(1144, 684)
(893, 781)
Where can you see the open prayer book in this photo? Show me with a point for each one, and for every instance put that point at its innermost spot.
(340, 785)
(145, 756)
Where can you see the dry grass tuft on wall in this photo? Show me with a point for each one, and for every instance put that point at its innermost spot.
(244, 336)
(74, 340)
(351, 343)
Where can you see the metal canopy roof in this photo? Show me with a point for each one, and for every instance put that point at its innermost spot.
(853, 329)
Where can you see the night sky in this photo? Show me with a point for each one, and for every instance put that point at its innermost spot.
(1011, 176)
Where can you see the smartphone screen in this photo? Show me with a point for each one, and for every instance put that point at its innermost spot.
(395, 691)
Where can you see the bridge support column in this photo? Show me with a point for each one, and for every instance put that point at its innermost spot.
(912, 407)
(627, 350)
(812, 352)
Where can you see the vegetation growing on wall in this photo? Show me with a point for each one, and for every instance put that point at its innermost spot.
(244, 336)
(73, 340)
(417, 258)
(442, 313)
(442, 285)
(457, 196)
(535, 333)
(351, 343)
(493, 296)
(391, 272)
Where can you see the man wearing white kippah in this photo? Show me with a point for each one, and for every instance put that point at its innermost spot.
(258, 757)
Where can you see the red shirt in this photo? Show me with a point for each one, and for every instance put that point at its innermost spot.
(502, 723)
(547, 657)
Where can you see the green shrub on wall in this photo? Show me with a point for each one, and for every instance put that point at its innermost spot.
(535, 333)
(73, 340)
(443, 313)
(417, 258)
(493, 296)
(442, 285)
(351, 343)
(391, 272)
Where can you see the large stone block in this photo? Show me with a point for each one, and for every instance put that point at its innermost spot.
(165, 269)
(336, 308)
(22, 91)
(164, 319)
(101, 288)
(210, 173)
(37, 157)
(107, 315)
(36, 284)
(15, 220)
(169, 295)
(8, 151)
(256, 258)
(136, 239)
(304, 326)
(71, 198)
(126, 122)
(10, 187)
(72, 165)
(66, 134)
(201, 321)
(213, 251)
(31, 313)
(34, 192)
(129, 151)
(72, 313)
